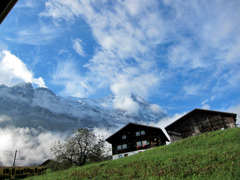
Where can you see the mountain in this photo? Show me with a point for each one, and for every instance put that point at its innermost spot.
(25, 106)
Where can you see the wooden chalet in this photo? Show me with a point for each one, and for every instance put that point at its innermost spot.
(199, 121)
(134, 138)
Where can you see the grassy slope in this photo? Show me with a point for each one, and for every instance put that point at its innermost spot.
(214, 155)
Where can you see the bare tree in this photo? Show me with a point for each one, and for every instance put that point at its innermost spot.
(79, 148)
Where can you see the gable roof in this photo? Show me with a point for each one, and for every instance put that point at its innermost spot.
(109, 139)
(196, 110)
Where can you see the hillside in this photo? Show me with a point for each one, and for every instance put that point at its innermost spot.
(214, 155)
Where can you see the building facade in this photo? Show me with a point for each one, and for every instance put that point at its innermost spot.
(199, 121)
(134, 138)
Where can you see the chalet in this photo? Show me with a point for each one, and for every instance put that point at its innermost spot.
(134, 138)
(199, 121)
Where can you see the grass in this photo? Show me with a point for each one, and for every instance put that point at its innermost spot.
(213, 155)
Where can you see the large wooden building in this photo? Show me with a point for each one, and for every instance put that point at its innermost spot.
(199, 121)
(134, 138)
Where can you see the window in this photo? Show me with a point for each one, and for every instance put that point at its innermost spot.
(144, 143)
(5, 171)
(124, 137)
(139, 143)
(124, 146)
(120, 156)
(119, 147)
(140, 133)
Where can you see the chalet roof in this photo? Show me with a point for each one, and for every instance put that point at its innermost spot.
(135, 124)
(197, 110)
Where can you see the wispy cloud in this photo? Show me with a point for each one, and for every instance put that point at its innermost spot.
(77, 46)
(13, 71)
(207, 36)
(145, 42)
(124, 61)
(35, 35)
(75, 85)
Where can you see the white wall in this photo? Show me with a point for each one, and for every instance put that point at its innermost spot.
(121, 155)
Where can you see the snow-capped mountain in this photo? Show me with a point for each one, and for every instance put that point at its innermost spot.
(25, 106)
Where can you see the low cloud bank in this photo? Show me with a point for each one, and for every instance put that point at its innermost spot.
(32, 145)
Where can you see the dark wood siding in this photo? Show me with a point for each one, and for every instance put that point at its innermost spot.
(153, 136)
(200, 121)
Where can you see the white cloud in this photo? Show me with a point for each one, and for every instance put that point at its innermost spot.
(166, 121)
(123, 62)
(184, 56)
(192, 89)
(204, 103)
(126, 103)
(14, 71)
(4, 118)
(75, 85)
(200, 43)
(35, 35)
(205, 36)
(206, 106)
(235, 109)
(39, 81)
(156, 108)
(77, 46)
(212, 98)
(140, 84)
(32, 145)
(26, 4)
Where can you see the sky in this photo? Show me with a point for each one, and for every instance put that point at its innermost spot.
(179, 55)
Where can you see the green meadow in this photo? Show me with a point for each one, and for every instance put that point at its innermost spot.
(213, 155)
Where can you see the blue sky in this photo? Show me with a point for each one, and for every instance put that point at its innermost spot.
(177, 54)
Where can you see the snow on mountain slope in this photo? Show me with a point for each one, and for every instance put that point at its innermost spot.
(41, 108)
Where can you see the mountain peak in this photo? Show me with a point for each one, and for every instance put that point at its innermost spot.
(24, 85)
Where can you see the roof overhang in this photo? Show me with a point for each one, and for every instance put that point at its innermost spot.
(5, 8)
(109, 139)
